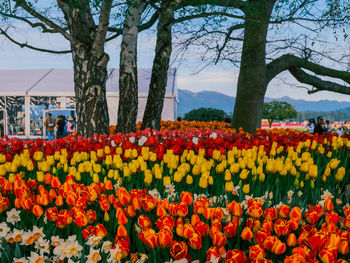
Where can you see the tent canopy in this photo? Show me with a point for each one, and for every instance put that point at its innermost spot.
(60, 82)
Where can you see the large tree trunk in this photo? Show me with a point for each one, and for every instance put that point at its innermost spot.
(90, 76)
(157, 87)
(252, 80)
(90, 65)
(128, 87)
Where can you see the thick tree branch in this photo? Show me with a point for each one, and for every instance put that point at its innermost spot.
(184, 18)
(22, 45)
(43, 19)
(318, 83)
(288, 61)
(223, 3)
(103, 25)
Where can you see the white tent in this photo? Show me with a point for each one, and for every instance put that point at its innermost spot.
(27, 95)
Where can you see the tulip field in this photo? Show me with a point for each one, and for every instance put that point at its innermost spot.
(207, 194)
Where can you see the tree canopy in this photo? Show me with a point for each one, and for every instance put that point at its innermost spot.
(278, 110)
(205, 114)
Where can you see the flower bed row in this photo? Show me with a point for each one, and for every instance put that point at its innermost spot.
(234, 197)
(95, 223)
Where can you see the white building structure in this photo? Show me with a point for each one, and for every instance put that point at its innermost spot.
(26, 96)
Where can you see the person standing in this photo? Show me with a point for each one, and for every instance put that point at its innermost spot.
(328, 126)
(320, 129)
(60, 127)
(50, 124)
(70, 125)
(311, 125)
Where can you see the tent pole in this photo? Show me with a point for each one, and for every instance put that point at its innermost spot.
(27, 115)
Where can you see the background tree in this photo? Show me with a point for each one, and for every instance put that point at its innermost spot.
(261, 58)
(205, 114)
(278, 110)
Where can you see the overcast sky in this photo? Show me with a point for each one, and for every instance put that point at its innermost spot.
(221, 78)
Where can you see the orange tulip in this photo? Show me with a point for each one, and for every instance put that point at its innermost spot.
(182, 209)
(38, 210)
(188, 231)
(292, 240)
(230, 229)
(178, 250)
(122, 219)
(195, 241)
(51, 213)
(328, 255)
(165, 222)
(124, 196)
(261, 235)
(255, 210)
(235, 208)
(283, 211)
(161, 211)
(55, 182)
(91, 216)
(59, 200)
(121, 231)
(165, 237)
(100, 230)
(235, 256)
(269, 242)
(296, 258)
(279, 248)
(180, 230)
(149, 237)
(344, 247)
(247, 234)
(270, 213)
(256, 252)
(149, 203)
(144, 221)
(328, 205)
(213, 252)
(332, 218)
(281, 227)
(219, 239)
(295, 213)
(202, 228)
(186, 197)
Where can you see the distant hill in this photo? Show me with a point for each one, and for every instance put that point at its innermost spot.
(212, 99)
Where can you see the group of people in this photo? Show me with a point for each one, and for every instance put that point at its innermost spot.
(62, 126)
(322, 127)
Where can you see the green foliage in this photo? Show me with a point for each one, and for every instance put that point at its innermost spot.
(278, 110)
(205, 114)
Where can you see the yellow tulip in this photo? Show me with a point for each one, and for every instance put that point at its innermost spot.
(95, 178)
(40, 176)
(203, 182)
(229, 186)
(189, 179)
(166, 181)
(246, 188)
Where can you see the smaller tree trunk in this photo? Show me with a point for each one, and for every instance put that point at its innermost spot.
(128, 86)
(270, 123)
(157, 87)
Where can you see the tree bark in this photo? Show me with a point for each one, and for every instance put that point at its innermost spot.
(157, 87)
(90, 65)
(252, 80)
(90, 76)
(128, 86)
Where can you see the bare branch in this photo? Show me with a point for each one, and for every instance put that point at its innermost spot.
(22, 45)
(44, 20)
(44, 28)
(227, 38)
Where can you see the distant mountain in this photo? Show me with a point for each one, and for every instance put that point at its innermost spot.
(212, 99)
